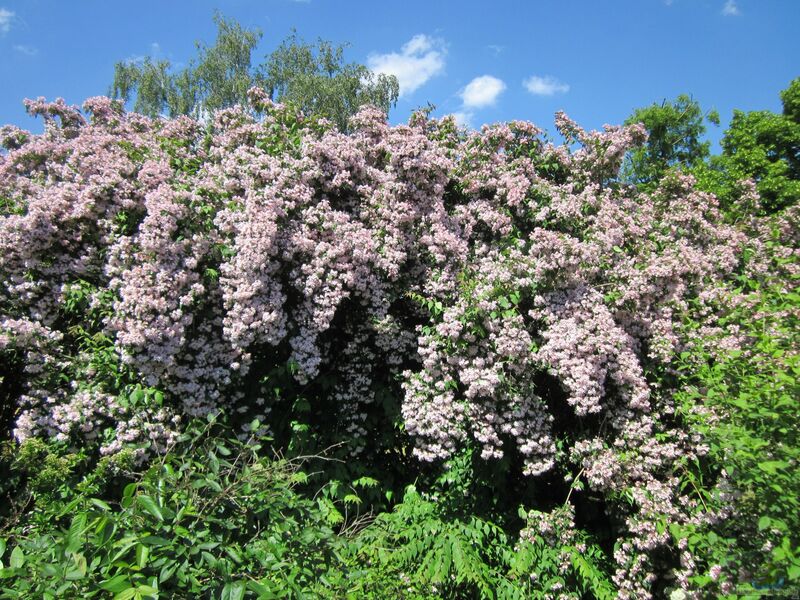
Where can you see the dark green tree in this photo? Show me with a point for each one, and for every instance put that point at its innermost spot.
(312, 77)
(765, 147)
(761, 146)
(675, 131)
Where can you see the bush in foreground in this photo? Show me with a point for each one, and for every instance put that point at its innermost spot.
(419, 297)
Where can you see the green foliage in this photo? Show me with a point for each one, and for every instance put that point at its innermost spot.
(790, 98)
(213, 518)
(152, 84)
(425, 551)
(223, 74)
(675, 129)
(761, 146)
(751, 420)
(315, 79)
(218, 78)
(312, 77)
(433, 556)
(765, 147)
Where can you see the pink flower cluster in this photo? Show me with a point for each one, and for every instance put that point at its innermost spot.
(464, 266)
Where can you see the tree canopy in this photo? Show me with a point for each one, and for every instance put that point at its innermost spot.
(765, 147)
(675, 130)
(312, 77)
(759, 146)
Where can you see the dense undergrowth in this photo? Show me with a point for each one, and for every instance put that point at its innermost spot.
(257, 357)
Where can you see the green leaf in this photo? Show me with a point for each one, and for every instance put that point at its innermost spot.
(126, 594)
(127, 495)
(264, 593)
(167, 571)
(17, 559)
(100, 504)
(142, 554)
(209, 559)
(155, 540)
(233, 554)
(233, 591)
(79, 572)
(137, 395)
(772, 466)
(150, 506)
(366, 482)
(115, 584)
(146, 590)
(75, 533)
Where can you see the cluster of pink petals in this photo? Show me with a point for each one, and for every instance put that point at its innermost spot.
(464, 266)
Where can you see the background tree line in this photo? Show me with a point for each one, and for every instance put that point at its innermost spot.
(312, 77)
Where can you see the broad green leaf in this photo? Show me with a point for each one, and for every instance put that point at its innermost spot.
(17, 558)
(100, 504)
(142, 554)
(233, 591)
(772, 466)
(150, 506)
(233, 554)
(264, 593)
(75, 533)
(155, 540)
(146, 590)
(167, 571)
(115, 584)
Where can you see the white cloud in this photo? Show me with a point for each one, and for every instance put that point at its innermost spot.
(421, 58)
(482, 91)
(545, 86)
(5, 20)
(26, 50)
(731, 9)
(496, 50)
(463, 118)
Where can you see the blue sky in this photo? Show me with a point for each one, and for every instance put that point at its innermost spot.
(486, 61)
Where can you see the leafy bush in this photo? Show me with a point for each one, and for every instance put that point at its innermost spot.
(211, 518)
(404, 297)
(749, 418)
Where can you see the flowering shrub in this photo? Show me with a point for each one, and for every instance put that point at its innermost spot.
(504, 293)
(749, 417)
